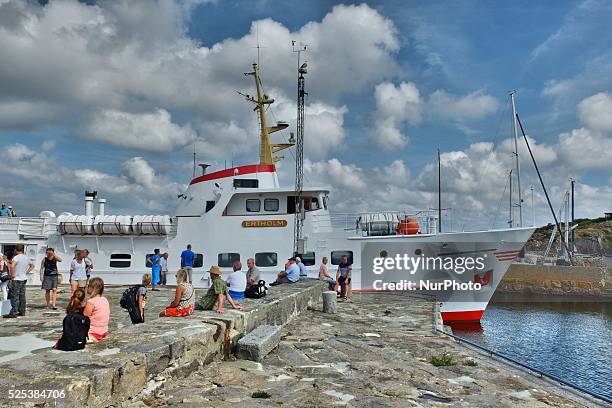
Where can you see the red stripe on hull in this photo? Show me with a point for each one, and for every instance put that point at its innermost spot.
(242, 170)
(464, 316)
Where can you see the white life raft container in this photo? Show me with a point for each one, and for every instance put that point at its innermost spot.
(151, 224)
(113, 224)
(75, 224)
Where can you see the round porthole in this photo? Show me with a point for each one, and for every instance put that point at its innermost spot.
(418, 252)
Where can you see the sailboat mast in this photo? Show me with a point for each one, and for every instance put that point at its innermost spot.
(510, 220)
(516, 155)
(439, 194)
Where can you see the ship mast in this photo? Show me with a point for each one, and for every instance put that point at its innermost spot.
(266, 149)
(518, 167)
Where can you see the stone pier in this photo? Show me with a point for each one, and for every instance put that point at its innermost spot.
(133, 358)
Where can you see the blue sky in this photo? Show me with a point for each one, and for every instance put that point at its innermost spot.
(113, 97)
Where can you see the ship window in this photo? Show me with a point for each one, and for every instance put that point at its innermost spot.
(253, 205)
(308, 258)
(336, 255)
(210, 205)
(271, 204)
(266, 259)
(311, 203)
(198, 261)
(120, 260)
(226, 260)
(246, 183)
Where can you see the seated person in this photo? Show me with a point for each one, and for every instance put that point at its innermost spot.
(98, 310)
(184, 298)
(290, 275)
(237, 282)
(253, 274)
(300, 264)
(217, 293)
(324, 275)
(75, 325)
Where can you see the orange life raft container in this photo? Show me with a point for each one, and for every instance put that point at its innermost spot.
(407, 226)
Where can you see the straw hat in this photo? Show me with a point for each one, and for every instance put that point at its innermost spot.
(214, 270)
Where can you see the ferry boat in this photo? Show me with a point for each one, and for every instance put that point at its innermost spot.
(242, 212)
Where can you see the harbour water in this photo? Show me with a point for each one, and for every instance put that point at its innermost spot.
(572, 341)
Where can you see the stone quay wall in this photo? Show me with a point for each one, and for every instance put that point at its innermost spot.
(136, 359)
(572, 281)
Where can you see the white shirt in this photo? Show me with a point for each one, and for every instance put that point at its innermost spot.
(78, 270)
(21, 263)
(163, 262)
(236, 281)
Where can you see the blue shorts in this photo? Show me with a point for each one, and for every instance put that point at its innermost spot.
(236, 295)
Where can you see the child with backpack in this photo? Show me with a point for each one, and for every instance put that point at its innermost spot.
(75, 325)
(135, 298)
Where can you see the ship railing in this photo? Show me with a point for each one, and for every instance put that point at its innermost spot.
(374, 223)
(27, 227)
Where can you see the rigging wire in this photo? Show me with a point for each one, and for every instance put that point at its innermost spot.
(499, 203)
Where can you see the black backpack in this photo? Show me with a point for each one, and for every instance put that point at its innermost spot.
(74, 336)
(256, 291)
(129, 299)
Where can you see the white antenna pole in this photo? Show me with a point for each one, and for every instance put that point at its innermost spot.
(518, 167)
(532, 209)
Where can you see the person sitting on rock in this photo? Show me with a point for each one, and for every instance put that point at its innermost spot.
(98, 310)
(324, 275)
(236, 282)
(217, 293)
(76, 325)
(291, 274)
(184, 298)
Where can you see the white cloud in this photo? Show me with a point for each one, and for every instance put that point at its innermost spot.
(395, 105)
(596, 111)
(152, 131)
(475, 105)
(139, 186)
(115, 60)
(585, 149)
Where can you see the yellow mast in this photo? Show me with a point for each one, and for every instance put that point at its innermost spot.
(266, 149)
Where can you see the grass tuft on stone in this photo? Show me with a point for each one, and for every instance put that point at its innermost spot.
(261, 394)
(442, 360)
(470, 363)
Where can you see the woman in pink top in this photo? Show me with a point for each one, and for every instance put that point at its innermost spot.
(98, 310)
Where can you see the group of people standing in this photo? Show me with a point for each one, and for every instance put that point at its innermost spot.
(7, 211)
(14, 276)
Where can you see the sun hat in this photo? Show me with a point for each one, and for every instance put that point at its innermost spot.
(214, 270)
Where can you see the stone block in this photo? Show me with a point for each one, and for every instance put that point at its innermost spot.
(258, 343)
(329, 301)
